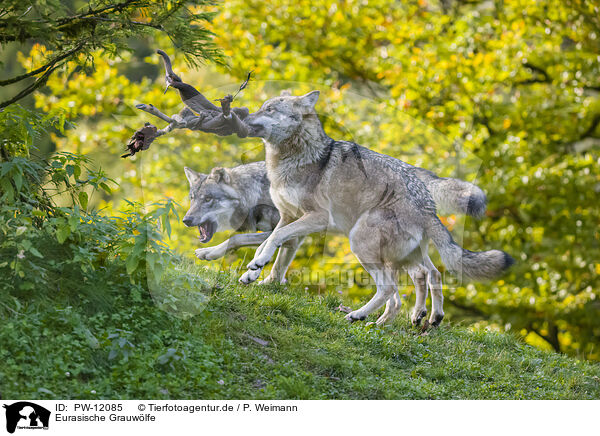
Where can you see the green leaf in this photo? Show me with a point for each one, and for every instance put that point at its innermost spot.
(73, 222)
(132, 263)
(105, 188)
(166, 224)
(46, 391)
(35, 252)
(83, 199)
(18, 178)
(8, 190)
(63, 233)
(6, 167)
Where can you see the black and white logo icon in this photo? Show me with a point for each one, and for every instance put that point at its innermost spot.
(26, 415)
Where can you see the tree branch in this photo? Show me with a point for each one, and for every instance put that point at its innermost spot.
(152, 110)
(539, 70)
(135, 23)
(586, 140)
(469, 309)
(199, 114)
(57, 24)
(109, 8)
(551, 338)
(39, 82)
(592, 128)
(43, 68)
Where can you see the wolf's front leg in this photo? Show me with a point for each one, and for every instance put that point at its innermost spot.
(310, 223)
(250, 276)
(210, 253)
(236, 241)
(282, 262)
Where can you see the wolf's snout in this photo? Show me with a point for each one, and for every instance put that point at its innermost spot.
(253, 124)
(188, 221)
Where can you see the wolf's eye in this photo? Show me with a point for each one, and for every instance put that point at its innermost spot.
(208, 199)
(269, 109)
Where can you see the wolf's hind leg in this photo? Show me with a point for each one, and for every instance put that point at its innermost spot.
(386, 280)
(434, 279)
(418, 274)
(250, 276)
(392, 307)
(381, 243)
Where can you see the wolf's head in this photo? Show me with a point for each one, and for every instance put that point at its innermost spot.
(280, 118)
(212, 202)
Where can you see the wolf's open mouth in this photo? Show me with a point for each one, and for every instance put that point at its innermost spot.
(207, 230)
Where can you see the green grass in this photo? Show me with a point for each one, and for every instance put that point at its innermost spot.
(110, 339)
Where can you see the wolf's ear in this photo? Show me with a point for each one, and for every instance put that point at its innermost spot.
(220, 175)
(285, 93)
(309, 100)
(193, 176)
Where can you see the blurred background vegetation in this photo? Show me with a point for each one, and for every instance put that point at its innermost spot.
(502, 93)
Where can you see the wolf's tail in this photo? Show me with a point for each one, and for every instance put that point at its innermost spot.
(480, 265)
(454, 195)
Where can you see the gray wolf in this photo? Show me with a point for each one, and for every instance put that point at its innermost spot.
(378, 201)
(238, 199)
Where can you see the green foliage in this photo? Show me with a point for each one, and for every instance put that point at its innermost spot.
(76, 31)
(19, 128)
(40, 240)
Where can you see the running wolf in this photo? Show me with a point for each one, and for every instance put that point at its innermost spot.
(238, 199)
(378, 201)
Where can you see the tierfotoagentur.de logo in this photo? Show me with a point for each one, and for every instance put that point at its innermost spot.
(24, 415)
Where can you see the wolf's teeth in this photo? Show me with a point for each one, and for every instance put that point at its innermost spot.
(202, 231)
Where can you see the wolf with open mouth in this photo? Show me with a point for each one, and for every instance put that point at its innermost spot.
(230, 199)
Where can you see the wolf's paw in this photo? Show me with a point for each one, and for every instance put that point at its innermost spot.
(385, 318)
(417, 316)
(355, 316)
(258, 263)
(436, 319)
(262, 258)
(270, 279)
(208, 253)
(250, 276)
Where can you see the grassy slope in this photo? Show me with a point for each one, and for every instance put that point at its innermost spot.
(59, 347)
